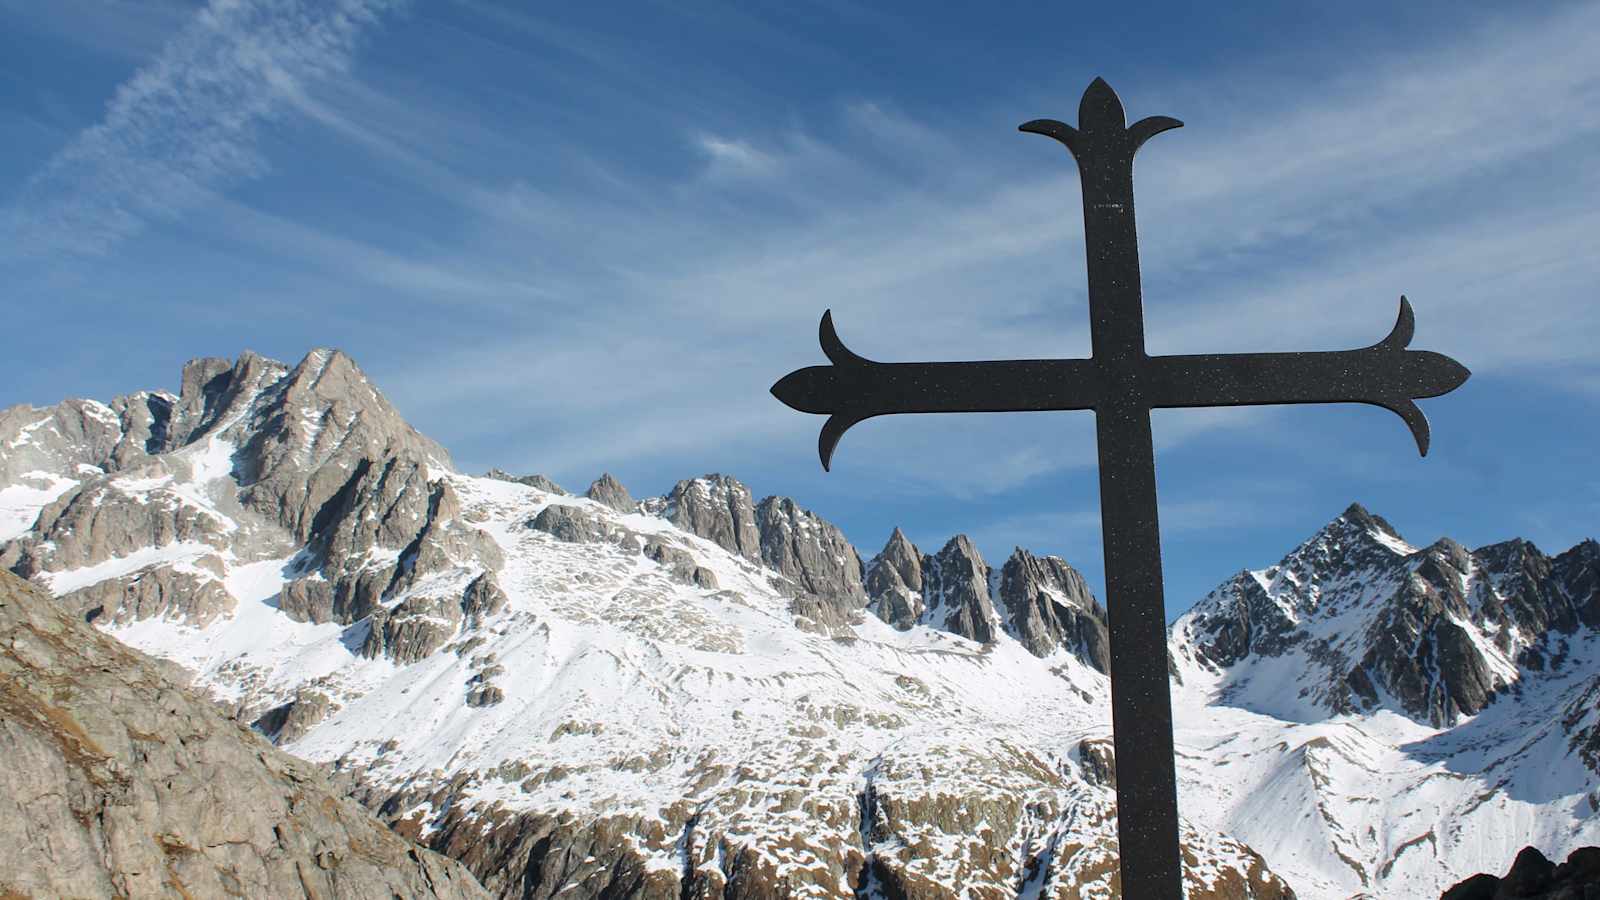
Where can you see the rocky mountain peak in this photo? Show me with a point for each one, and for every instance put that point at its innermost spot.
(1451, 554)
(956, 595)
(810, 551)
(1360, 517)
(1048, 605)
(893, 582)
(608, 491)
(903, 558)
(252, 461)
(1436, 633)
(718, 508)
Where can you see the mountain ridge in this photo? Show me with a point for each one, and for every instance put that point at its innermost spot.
(749, 705)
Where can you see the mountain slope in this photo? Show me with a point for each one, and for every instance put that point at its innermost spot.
(120, 782)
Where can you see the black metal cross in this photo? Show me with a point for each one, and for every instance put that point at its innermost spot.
(1122, 384)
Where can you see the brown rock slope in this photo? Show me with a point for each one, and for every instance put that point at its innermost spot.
(119, 782)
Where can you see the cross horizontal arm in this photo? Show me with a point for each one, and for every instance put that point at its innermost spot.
(1385, 374)
(1001, 385)
(855, 388)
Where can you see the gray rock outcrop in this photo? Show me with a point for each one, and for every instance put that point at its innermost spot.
(609, 491)
(120, 782)
(680, 564)
(534, 481)
(102, 520)
(894, 582)
(572, 524)
(196, 596)
(291, 721)
(412, 630)
(482, 598)
(1048, 605)
(956, 592)
(809, 551)
(719, 509)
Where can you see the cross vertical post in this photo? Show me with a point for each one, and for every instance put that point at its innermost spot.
(1141, 699)
(1122, 383)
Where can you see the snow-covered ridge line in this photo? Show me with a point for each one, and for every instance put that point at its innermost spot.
(693, 689)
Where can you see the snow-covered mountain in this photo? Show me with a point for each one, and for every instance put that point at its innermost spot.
(1436, 707)
(704, 694)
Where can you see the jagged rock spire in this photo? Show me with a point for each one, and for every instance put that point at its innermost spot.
(894, 582)
(956, 592)
(609, 491)
(1048, 605)
(718, 508)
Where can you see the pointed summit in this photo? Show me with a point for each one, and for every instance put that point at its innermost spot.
(1046, 604)
(956, 590)
(1357, 515)
(608, 491)
(904, 557)
(894, 582)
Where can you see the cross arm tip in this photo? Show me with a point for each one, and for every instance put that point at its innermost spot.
(1051, 128)
(832, 431)
(1150, 126)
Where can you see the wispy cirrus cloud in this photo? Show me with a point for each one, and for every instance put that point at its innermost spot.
(1293, 222)
(700, 263)
(734, 158)
(185, 125)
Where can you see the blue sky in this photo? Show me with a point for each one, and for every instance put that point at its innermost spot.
(589, 237)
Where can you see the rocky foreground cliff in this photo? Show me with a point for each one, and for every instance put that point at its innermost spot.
(704, 693)
(118, 781)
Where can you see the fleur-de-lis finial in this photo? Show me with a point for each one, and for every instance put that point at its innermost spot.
(1101, 121)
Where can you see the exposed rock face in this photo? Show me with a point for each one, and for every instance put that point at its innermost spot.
(120, 782)
(534, 481)
(1048, 605)
(80, 436)
(573, 524)
(291, 721)
(193, 594)
(1535, 877)
(1041, 601)
(110, 518)
(1439, 630)
(304, 447)
(719, 509)
(1407, 634)
(413, 629)
(894, 582)
(609, 491)
(810, 551)
(482, 599)
(1012, 821)
(680, 563)
(956, 592)
(252, 461)
(1098, 758)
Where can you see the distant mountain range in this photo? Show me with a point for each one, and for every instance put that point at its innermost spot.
(705, 694)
